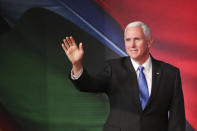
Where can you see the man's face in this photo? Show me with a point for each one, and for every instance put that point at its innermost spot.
(136, 44)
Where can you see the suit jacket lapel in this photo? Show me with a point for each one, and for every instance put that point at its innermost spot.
(156, 76)
(133, 83)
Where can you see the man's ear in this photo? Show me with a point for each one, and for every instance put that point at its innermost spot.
(150, 41)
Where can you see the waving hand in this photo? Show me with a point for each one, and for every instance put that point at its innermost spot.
(74, 53)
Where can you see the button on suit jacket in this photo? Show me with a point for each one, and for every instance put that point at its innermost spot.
(164, 110)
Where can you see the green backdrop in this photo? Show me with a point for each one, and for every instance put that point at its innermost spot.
(34, 87)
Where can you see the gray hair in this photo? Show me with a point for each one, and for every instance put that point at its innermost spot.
(145, 28)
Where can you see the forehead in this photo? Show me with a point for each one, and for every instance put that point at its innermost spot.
(134, 32)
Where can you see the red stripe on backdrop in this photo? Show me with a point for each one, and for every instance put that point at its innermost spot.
(174, 28)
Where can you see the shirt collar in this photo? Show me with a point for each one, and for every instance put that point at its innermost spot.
(147, 64)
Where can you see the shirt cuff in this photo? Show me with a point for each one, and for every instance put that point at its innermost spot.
(77, 76)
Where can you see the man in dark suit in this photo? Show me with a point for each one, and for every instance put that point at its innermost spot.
(144, 94)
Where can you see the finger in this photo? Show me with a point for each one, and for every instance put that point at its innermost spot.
(64, 47)
(66, 44)
(81, 46)
(69, 41)
(73, 41)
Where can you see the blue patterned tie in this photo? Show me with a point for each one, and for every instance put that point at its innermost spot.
(143, 88)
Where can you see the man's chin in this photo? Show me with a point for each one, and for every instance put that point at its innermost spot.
(134, 57)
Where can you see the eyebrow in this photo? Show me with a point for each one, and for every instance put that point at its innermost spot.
(133, 38)
(127, 39)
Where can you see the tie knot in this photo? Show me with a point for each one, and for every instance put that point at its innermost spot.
(140, 68)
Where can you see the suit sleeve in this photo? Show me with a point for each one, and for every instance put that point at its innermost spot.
(177, 111)
(98, 83)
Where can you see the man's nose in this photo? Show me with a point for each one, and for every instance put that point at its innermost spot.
(132, 44)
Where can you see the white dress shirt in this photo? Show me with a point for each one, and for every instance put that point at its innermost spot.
(147, 72)
(75, 77)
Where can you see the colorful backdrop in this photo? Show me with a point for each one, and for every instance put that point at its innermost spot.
(35, 93)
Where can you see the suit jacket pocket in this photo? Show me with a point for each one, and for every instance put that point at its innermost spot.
(108, 127)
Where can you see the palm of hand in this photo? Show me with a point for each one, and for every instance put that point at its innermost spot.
(74, 54)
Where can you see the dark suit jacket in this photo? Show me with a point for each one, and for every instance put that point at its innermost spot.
(119, 81)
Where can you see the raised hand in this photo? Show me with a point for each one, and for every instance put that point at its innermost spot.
(74, 53)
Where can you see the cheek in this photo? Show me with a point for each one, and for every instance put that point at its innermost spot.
(142, 46)
(126, 45)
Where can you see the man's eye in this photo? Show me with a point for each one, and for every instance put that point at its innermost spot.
(137, 38)
(128, 39)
